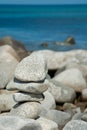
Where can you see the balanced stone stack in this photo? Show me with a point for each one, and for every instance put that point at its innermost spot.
(30, 81)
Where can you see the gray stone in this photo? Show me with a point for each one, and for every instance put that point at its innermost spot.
(61, 118)
(47, 124)
(6, 100)
(18, 123)
(72, 78)
(49, 101)
(77, 116)
(31, 87)
(76, 125)
(70, 40)
(21, 97)
(84, 117)
(60, 92)
(32, 68)
(27, 110)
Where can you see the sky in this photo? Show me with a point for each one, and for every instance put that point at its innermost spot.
(43, 1)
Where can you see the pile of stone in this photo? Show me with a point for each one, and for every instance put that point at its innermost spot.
(30, 81)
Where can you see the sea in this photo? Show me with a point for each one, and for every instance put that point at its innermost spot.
(34, 25)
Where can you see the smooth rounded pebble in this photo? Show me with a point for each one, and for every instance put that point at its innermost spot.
(72, 78)
(60, 92)
(76, 125)
(27, 110)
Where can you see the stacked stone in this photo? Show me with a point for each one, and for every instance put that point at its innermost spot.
(30, 81)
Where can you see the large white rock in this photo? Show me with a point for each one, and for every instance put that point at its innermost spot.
(32, 68)
(76, 125)
(31, 87)
(47, 124)
(27, 110)
(18, 123)
(72, 78)
(21, 97)
(60, 92)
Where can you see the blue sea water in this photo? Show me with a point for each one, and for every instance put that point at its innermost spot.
(35, 24)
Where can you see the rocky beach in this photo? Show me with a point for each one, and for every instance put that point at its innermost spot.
(42, 90)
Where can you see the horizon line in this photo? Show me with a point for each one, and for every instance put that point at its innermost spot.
(43, 4)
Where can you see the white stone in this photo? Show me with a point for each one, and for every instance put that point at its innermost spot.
(47, 124)
(72, 78)
(21, 97)
(32, 68)
(31, 87)
(27, 110)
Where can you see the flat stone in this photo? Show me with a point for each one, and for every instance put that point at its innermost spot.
(60, 92)
(61, 118)
(72, 78)
(47, 124)
(21, 97)
(36, 88)
(76, 124)
(18, 123)
(27, 110)
(32, 68)
(49, 101)
(6, 100)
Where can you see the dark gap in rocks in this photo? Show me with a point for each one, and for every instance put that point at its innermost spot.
(52, 72)
(59, 106)
(24, 82)
(78, 97)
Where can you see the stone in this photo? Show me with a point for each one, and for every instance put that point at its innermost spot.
(6, 60)
(47, 124)
(76, 124)
(60, 92)
(54, 59)
(22, 97)
(77, 116)
(70, 40)
(3, 79)
(27, 110)
(84, 94)
(61, 118)
(68, 106)
(84, 117)
(36, 88)
(32, 68)
(16, 45)
(6, 100)
(18, 123)
(49, 101)
(72, 78)
(8, 49)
